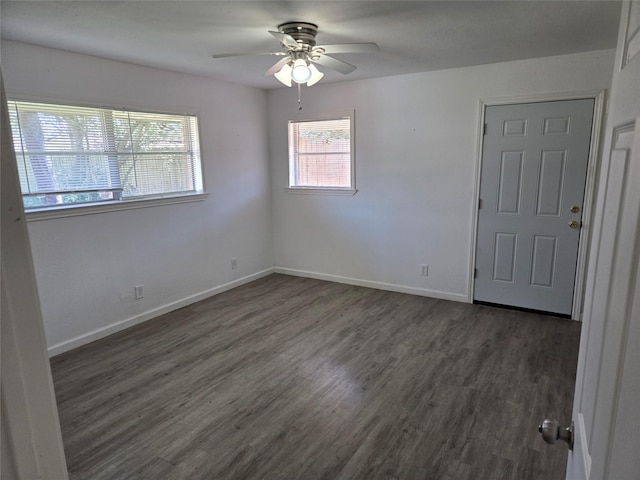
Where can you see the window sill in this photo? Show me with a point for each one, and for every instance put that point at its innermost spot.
(106, 207)
(321, 191)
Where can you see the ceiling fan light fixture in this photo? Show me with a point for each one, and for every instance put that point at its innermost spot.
(299, 49)
(316, 75)
(284, 75)
(301, 72)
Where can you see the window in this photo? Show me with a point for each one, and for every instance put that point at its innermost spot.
(321, 156)
(70, 155)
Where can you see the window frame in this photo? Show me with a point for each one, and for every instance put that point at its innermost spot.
(349, 191)
(90, 208)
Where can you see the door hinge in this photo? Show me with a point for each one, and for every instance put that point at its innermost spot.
(484, 129)
(475, 273)
(479, 203)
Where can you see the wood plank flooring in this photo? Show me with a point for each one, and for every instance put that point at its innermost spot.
(294, 378)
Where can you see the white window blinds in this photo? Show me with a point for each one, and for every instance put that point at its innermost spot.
(70, 154)
(320, 153)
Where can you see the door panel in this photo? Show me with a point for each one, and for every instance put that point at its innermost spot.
(510, 182)
(544, 260)
(551, 182)
(604, 272)
(607, 380)
(614, 436)
(504, 263)
(534, 166)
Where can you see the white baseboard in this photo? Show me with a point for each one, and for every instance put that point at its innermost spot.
(424, 292)
(148, 315)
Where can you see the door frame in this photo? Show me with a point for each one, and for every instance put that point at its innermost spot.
(592, 170)
(32, 445)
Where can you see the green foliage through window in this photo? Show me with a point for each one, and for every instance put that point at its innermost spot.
(69, 155)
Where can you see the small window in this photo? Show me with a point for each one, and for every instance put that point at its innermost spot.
(70, 155)
(321, 156)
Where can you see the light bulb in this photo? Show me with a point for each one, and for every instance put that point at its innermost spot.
(284, 75)
(301, 71)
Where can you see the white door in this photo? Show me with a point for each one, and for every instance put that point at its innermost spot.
(534, 166)
(607, 396)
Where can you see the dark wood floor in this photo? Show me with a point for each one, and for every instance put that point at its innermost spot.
(293, 378)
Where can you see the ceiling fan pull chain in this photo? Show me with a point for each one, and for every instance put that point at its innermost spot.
(299, 96)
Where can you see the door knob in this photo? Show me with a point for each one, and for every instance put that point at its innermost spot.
(552, 432)
(575, 209)
(574, 224)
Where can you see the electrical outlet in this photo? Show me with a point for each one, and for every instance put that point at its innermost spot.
(139, 292)
(234, 263)
(424, 270)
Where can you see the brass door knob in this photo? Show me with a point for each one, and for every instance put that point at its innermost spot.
(574, 224)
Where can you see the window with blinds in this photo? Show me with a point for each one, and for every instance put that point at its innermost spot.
(321, 154)
(69, 155)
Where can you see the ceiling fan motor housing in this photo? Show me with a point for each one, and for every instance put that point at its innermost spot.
(303, 32)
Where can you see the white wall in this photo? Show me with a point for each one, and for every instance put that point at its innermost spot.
(87, 266)
(416, 156)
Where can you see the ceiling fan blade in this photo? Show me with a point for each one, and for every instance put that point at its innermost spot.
(285, 39)
(334, 64)
(278, 66)
(242, 54)
(348, 48)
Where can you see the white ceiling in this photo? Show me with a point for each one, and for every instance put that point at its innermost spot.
(413, 36)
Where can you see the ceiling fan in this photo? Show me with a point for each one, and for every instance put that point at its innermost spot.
(300, 53)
